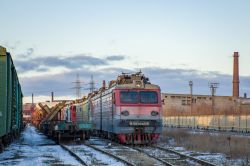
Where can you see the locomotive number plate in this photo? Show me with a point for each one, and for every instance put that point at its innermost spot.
(138, 123)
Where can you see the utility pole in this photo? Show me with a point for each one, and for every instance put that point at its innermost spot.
(191, 100)
(32, 98)
(52, 96)
(78, 86)
(213, 86)
(33, 105)
(191, 96)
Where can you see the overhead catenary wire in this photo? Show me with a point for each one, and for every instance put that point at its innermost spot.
(65, 91)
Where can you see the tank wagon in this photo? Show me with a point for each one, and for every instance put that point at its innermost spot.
(129, 110)
(10, 100)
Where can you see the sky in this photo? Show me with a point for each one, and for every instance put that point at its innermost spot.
(171, 41)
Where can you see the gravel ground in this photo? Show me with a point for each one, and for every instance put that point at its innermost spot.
(219, 159)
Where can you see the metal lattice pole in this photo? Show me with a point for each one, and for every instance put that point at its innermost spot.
(213, 86)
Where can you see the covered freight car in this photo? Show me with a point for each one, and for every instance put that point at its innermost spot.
(10, 100)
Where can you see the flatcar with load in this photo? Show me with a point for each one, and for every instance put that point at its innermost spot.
(74, 121)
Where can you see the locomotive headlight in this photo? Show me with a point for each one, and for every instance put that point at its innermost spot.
(125, 113)
(154, 113)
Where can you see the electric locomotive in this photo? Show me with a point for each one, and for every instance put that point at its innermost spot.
(129, 110)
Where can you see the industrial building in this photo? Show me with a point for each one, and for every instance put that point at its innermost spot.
(180, 104)
(209, 111)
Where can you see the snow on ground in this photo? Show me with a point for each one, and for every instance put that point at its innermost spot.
(215, 158)
(93, 157)
(219, 159)
(31, 149)
(125, 152)
(31, 136)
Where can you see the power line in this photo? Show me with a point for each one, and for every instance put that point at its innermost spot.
(92, 84)
(77, 86)
(49, 91)
(213, 86)
(46, 91)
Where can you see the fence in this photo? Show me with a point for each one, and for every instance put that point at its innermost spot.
(239, 123)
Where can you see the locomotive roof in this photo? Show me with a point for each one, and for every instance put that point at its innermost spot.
(132, 86)
(136, 80)
(123, 81)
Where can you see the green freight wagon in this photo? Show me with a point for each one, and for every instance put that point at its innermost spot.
(83, 115)
(10, 99)
(3, 94)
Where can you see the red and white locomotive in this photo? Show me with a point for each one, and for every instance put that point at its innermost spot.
(128, 110)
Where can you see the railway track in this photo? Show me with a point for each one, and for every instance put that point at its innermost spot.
(156, 158)
(131, 156)
(202, 162)
(168, 157)
(134, 157)
(74, 155)
(79, 152)
(171, 157)
(110, 154)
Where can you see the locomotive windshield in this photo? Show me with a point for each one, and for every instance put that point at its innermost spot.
(134, 97)
(148, 97)
(129, 97)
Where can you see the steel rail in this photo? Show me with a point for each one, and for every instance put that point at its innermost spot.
(151, 156)
(141, 151)
(200, 161)
(74, 155)
(110, 154)
(138, 150)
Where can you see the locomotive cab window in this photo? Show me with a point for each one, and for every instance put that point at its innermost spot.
(129, 97)
(148, 97)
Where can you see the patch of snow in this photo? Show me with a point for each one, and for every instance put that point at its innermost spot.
(27, 151)
(93, 157)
